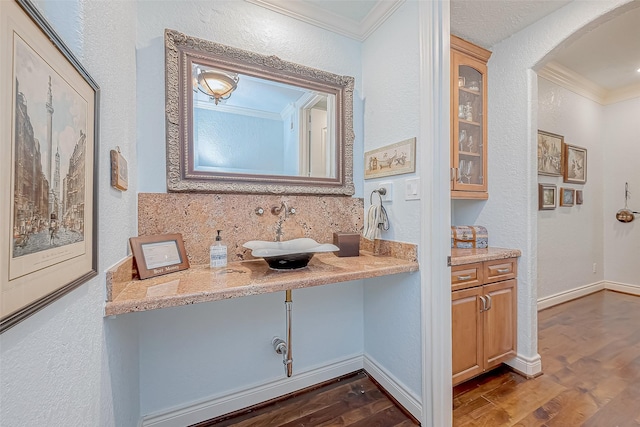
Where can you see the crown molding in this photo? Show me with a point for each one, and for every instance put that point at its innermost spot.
(570, 80)
(573, 81)
(322, 18)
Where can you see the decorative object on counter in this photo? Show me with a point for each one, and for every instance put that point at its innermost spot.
(377, 218)
(469, 237)
(625, 214)
(218, 253)
(192, 165)
(567, 196)
(394, 159)
(575, 164)
(547, 196)
(348, 244)
(579, 197)
(48, 182)
(159, 254)
(550, 153)
(119, 173)
(288, 255)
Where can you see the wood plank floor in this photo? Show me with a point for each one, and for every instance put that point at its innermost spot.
(590, 350)
(354, 401)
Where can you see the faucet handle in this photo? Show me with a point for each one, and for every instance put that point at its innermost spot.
(259, 211)
(292, 211)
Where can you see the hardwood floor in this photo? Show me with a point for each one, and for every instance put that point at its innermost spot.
(590, 350)
(354, 401)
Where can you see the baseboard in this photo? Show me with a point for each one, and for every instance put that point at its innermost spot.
(530, 367)
(394, 387)
(569, 295)
(195, 412)
(622, 287)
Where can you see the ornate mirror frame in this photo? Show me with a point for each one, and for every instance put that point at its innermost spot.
(180, 51)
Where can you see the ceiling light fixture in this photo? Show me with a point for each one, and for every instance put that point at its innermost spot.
(217, 84)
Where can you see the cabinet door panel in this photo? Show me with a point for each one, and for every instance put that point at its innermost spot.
(466, 321)
(500, 323)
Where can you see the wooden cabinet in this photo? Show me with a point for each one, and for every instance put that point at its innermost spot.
(483, 316)
(468, 120)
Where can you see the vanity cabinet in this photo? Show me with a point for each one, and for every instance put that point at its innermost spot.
(483, 316)
(468, 120)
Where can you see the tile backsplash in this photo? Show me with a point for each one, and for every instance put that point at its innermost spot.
(198, 216)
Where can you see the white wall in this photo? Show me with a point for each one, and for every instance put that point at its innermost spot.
(66, 365)
(510, 214)
(190, 354)
(570, 239)
(621, 241)
(392, 303)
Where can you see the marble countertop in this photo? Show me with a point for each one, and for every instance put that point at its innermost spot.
(468, 256)
(202, 284)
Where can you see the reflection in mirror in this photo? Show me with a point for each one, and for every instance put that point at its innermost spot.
(242, 122)
(266, 127)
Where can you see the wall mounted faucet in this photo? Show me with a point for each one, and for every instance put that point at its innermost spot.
(277, 210)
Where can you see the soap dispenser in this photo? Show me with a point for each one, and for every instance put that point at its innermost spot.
(218, 253)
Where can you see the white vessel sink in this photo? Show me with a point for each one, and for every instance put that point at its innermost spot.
(290, 254)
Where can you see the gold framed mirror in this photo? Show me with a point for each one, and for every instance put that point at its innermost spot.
(242, 122)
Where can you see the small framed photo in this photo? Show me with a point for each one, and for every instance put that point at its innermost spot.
(547, 196)
(567, 196)
(550, 153)
(159, 254)
(578, 197)
(119, 173)
(575, 164)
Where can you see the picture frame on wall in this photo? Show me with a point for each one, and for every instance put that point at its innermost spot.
(48, 167)
(550, 153)
(547, 196)
(579, 198)
(394, 159)
(575, 164)
(567, 196)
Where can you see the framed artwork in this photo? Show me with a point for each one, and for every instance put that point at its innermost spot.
(159, 254)
(48, 166)
(394, 159)
(579, 197)
(547, 196)
(550, 153)
(575, 164)
(567, 196)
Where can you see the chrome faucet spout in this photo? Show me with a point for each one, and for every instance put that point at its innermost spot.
(276, 210)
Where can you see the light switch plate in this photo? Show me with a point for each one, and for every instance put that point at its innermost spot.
(412, 189)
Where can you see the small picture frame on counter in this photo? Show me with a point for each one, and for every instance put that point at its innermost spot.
(159, 254)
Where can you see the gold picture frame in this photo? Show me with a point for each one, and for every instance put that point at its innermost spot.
(48, 186)
(575, 164)
(550, 153)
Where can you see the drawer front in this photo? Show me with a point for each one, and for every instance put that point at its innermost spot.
(466, 276)
(500, 269)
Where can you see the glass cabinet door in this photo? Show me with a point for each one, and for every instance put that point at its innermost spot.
(468, 130)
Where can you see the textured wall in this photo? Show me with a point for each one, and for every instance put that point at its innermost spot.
(248, 323)
(621, 241)
(392, 304)
(570, 239)
(66, 365)
(510, 214)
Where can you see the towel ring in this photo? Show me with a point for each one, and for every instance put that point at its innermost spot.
(380, 192)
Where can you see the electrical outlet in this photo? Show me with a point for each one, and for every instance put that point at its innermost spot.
(595, 267)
